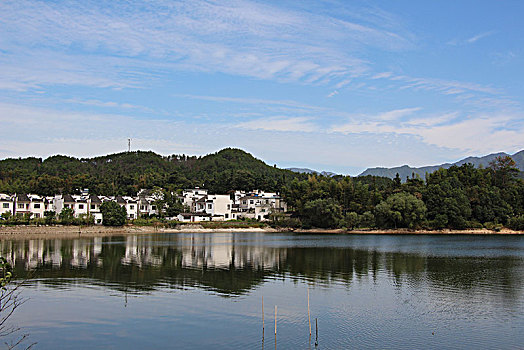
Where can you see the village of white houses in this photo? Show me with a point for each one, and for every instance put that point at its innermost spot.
(199, 205)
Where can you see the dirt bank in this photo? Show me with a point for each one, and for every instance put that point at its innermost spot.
(50, 232)
(35, 232)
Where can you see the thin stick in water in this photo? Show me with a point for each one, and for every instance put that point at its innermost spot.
(275, 320)
(263, 314)
(308, 315)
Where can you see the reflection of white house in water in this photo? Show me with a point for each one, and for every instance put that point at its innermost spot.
(35, 254)
(221, 251)
(139, 251)
(80, 253)
(55, 254)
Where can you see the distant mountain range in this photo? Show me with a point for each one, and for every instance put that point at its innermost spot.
(407, 171)
(310, 171)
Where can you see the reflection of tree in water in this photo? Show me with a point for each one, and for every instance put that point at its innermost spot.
(229, 265)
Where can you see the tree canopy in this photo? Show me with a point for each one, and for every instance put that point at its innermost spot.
(113, 214)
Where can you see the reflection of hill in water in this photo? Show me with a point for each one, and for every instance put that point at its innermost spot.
(234, 264)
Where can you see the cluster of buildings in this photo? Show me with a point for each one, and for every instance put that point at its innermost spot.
(85, 204)
(200, 205)
(203, 206)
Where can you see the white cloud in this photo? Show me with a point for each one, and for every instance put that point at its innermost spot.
(382, 75)
(253, 101)
(85, 43)
(479, 36)
(475, 134)
(333, 93)
(470, 40)
(396, 114)
(294, 124)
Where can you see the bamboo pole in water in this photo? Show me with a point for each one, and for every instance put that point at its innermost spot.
(263, 314)
(275, 320)
(308, 314)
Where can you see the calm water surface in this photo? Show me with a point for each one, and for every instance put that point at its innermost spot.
(203, 291)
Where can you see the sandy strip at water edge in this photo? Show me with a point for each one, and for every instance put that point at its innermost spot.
(50, 232)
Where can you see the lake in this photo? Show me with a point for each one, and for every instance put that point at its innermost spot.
(204, 290)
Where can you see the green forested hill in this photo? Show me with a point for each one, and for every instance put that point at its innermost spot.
(458, 197)
(126, 173)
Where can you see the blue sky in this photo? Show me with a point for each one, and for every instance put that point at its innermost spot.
(330, 85)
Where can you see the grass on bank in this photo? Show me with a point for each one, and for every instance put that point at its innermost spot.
(515, 223)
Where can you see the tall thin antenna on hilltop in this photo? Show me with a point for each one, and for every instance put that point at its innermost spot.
(128, 145)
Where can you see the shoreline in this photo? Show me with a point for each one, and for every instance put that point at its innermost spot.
(56, 232)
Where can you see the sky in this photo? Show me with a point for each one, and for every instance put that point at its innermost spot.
(329, 85)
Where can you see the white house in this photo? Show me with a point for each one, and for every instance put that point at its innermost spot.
(7, 203)
(193, 217)
(37, 206)
(191, 196)
(80, 207)
(22, 205)
(219, 206)
(130, 204)
(259, 205)
(93, 204)
(61, 202)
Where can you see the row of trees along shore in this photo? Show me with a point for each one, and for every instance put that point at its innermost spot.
(459, 197)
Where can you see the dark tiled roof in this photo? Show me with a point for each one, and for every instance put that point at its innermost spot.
(22, 198)
(95, 199)
(68, 199)
(120, 200)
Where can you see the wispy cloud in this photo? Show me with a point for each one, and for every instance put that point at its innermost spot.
(479, 36)
(109, 104)
(382, 75)
(470, 40)
(293, 124)
(477, 134)
(333, 93)
(396, 114)
(253, 101)
(241, 37)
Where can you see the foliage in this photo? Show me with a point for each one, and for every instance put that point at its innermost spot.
(49, 217)
(6, 272)
(66, 216)
(10, 300)
(126, 173)
(400, 210)
(350, 220)
(172, 205)
(113, 214)
(323, 213)
(366, 220)
(517, 223)
(456, 198)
